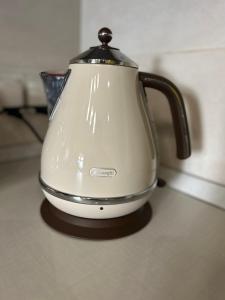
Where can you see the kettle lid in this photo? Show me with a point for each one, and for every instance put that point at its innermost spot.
(104, 54)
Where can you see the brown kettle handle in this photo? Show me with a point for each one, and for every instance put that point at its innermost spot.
(177, 110)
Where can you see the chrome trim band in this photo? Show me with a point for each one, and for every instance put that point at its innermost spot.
(105, 62)
(96, 201)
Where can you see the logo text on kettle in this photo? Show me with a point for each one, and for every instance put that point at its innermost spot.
(102, 172)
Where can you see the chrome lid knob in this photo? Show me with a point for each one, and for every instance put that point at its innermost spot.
(105, 35)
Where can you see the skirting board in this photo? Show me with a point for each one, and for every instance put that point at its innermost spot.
(196, 187)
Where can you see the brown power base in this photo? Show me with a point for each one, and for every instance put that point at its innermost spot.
(95, 229)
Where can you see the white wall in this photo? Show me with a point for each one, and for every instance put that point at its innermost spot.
(34, 36)
(185, 41)
(38, 34)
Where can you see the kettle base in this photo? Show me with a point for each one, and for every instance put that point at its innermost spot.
(95, 228)
(97, 208)
(99, 211)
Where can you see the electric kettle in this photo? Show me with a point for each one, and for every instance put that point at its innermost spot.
(99, 158)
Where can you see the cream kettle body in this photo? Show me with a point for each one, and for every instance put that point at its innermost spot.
(99, 157)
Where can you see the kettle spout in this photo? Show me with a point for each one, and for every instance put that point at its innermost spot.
(54, 83)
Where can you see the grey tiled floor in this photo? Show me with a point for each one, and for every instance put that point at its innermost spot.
(180, 255)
